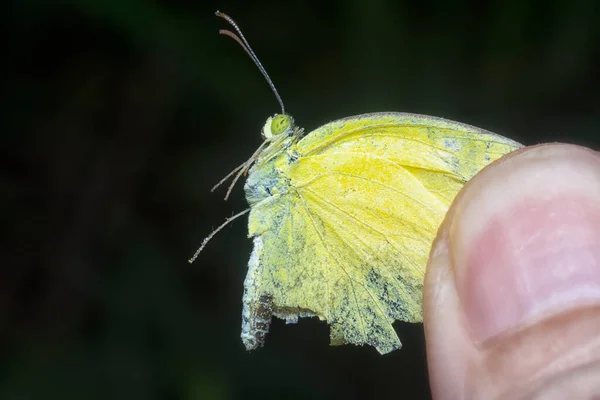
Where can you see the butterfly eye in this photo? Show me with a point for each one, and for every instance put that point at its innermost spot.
(280, 123)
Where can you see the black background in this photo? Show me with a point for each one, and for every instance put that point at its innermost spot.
(119, 115)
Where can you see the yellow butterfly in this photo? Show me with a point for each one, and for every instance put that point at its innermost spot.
(343, 218)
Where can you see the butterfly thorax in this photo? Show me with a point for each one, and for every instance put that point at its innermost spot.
(268, 176)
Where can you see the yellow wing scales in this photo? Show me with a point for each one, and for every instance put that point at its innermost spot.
(343, 221)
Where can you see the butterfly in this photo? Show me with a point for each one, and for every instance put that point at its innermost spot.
(343, 218)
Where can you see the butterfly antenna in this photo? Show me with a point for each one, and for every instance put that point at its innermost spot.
(207, 239)
(244, 43)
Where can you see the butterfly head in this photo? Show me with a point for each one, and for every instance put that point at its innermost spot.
(278, 125)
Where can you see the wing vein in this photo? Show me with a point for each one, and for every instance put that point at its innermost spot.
(321, 176)
(384, 126)
(390, 273)
(448, 173)
(366, 226)
(362, 321)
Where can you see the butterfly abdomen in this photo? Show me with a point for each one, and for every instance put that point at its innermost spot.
(258, 308)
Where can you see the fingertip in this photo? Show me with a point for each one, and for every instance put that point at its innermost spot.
(533, 214)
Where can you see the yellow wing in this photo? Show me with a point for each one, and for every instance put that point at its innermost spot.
(346, 233)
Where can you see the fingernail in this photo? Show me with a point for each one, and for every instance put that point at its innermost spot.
(525, 240)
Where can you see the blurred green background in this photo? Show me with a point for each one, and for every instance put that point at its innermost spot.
(119, 116)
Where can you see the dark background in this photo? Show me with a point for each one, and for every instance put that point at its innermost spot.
(119, 115)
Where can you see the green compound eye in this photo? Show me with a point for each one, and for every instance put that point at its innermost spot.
(280, 123)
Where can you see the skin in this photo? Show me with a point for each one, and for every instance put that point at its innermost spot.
(512, 290)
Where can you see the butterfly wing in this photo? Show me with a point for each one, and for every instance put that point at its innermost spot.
(348, 239)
